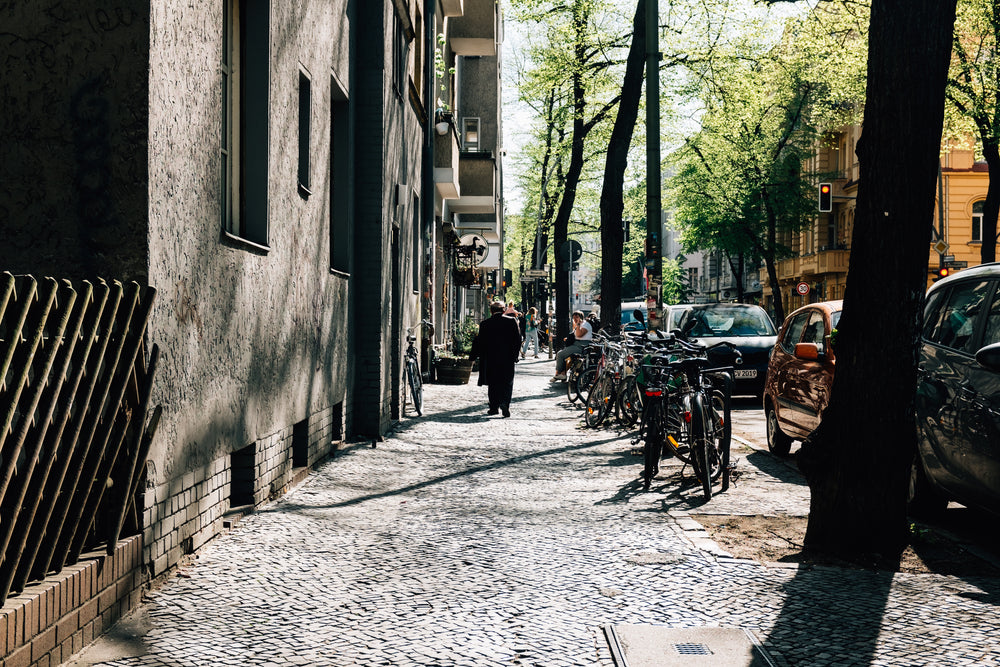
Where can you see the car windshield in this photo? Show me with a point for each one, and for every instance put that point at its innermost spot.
(729, 320)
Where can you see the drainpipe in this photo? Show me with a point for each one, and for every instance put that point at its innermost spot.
(430, 18)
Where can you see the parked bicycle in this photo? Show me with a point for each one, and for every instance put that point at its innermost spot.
(687, 410)
(414, 380)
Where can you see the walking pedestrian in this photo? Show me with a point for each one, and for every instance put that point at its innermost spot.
(497, 347)
(582, 332)
(530, 332)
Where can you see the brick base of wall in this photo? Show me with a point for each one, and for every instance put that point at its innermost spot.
(53, 619)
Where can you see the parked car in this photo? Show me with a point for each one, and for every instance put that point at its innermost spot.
(629, 321)
(800, 374)
(958, 394)
(746, 326)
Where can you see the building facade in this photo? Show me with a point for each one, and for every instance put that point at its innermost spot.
(821, 251)
(275, 171)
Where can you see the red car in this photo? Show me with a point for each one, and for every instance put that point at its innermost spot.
(800, 374)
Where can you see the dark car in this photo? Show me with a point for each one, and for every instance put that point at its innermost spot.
(958, 394)
(746, 326)
(800, 374)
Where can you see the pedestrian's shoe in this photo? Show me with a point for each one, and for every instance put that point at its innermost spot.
(536, 356)
(492, 411)
(558, 377)
(506, 412)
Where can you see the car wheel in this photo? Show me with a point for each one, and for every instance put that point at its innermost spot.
(922, 499)
(777, 442)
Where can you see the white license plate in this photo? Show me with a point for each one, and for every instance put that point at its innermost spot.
(746, 373)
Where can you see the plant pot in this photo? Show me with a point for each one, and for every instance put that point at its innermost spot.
(453, 371)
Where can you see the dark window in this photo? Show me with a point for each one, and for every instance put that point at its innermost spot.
(305, 114)
(341, 179)
(245, 90)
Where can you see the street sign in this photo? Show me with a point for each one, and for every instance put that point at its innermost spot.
(571, 250)
(536, 273)
(940, 247)
(958, 264)
(802, 289)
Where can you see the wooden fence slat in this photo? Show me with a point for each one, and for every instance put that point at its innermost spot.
(13, 347)
(42, 537)
(90, 310)
(45, 387)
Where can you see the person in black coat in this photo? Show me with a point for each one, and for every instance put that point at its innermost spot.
(497, 347)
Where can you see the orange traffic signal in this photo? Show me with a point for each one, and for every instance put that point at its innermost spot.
(825, 198)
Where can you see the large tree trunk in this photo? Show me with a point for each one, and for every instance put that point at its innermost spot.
(991, 207)
(856, 462)
(612, 192)
(576, 161)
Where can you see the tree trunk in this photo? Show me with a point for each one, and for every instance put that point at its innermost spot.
(991, 207)
(576, 161)
(612, 192)
(857, 461)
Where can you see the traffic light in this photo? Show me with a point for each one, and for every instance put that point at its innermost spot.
(943, 272)
(825, 198)
(507, 278)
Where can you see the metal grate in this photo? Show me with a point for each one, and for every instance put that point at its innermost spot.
(689, 648)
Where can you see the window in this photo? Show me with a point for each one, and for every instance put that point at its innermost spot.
(470, 134)
(793, 334)
(992, 333)
(977, 222)
(955, 325)
(400, 55)
(341, 179)
(305, 107)
(245, 67)
(417, 261)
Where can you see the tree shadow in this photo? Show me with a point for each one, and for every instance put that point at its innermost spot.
(473, 470)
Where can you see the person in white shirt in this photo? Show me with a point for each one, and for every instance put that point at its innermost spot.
(582, 332)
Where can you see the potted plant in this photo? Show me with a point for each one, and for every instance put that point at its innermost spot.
(455, 367)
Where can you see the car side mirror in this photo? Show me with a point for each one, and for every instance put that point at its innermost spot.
(807, 351)
(989, 357)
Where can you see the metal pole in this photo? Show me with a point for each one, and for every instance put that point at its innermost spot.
(654, 296)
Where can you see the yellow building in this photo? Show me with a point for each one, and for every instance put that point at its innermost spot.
(817, 271)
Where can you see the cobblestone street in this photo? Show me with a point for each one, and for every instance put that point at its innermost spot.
(467, 540)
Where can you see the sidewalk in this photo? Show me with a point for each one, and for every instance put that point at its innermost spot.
(467, 540)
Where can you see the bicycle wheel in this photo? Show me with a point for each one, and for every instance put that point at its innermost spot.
(652, 443)
(629, 402)
(599, 401)
(700, 443)
(416, 385)
(572, 389)
(585, 382)
(676, 430)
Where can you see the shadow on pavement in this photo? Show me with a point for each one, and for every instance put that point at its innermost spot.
(284, 507)
(831, 611)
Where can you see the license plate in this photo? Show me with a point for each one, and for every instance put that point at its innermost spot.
(746, 373)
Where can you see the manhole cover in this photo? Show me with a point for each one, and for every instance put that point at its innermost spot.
(659, 646)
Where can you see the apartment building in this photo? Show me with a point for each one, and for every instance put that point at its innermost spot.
(821, 251)
(278, 174)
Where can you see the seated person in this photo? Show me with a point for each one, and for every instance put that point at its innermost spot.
(582, 332)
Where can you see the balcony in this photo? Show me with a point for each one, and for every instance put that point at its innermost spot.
(833, 261)
(788, 268)
(474, 33)
(446, 164)
(808, 264)
(452, 7)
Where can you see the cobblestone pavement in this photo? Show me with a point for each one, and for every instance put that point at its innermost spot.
(467, 540)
